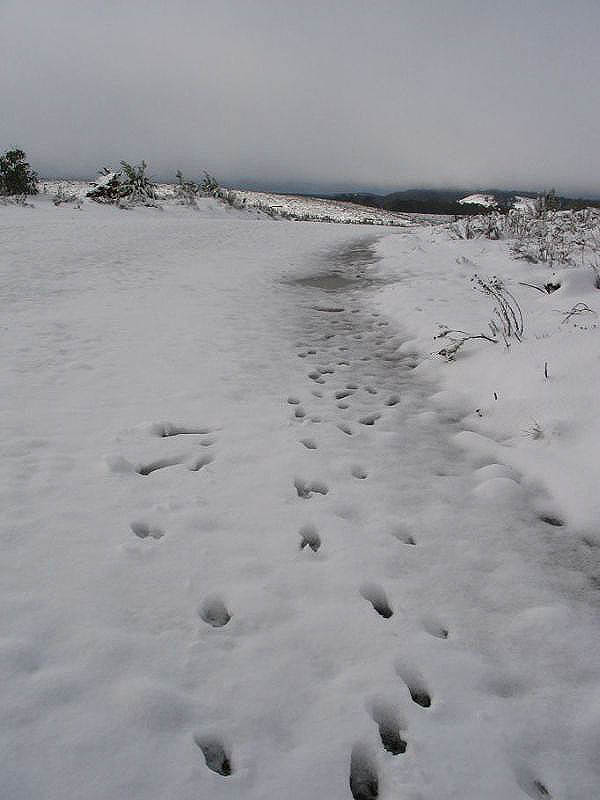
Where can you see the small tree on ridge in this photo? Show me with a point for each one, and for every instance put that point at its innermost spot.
(16, 175)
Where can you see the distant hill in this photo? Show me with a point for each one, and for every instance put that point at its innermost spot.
(447, 201)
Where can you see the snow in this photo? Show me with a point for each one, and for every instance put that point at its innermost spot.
(524, 203)
(258, 542)
(278, 206)
(485, 200)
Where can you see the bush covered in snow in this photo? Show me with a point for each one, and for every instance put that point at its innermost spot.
(16, 175)
(210, 185)
(126, 187)
(65, 195)
(186, 192)
(540, 236)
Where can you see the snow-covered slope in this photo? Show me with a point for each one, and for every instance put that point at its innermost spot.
(257, 544)
(485, 200)
(294, 207)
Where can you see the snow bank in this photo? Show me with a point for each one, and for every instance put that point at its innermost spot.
(533, 404)
(295, 207)
(485, 200)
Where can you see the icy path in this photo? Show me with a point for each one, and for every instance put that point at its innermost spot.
(242, 559)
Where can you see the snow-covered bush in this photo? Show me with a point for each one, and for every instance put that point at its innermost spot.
(210, 186)
(136, 186)
(107, 187)
(126, 187)
(552, 237)
(186, 192)
(63, 195)
(506, 324)
(16, 175)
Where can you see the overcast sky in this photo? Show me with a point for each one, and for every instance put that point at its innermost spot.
(336, 94)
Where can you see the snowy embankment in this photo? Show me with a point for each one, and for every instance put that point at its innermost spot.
(284, 206)
(533, 405)
(243, 554)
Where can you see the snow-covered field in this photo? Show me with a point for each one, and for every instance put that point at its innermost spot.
(284, 206)
(259, 543)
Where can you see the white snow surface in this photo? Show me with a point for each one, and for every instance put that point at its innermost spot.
(278, 206)
(485, 200)
(186, 405)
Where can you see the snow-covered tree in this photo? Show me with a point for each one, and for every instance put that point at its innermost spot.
(16, 175)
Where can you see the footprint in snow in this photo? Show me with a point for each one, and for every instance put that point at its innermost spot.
(167, 429)
(550, 519)
(364, 782)
(434, 628)
(145, 530)
(415, 683)
(198, 463)
(214, 612)
(215, 754)
(310, 444)
(154, 466)
(378, 599)
(162, 463)
(530, 784)
(305, 489)
(390, 726)
(369, 419)
(402, 536)
(309, 537)
(359, 472)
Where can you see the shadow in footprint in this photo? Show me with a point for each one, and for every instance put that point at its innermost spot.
(377, 597)
(215, 754)
(364, 782)
(198, 463)
(345, 428)
(154, 466)
(306, 489)
(144, 530)
(434, 628)
(415, 684)
(549, 519)
(402, 536)
(369, 419)
(359, 472)
(309, 538)
(166, 429)
(214, 612)
(389, 723)
(310, 444)
(530, 784)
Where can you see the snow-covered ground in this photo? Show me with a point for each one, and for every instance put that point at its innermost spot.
(317, 209)
(285, 206)
(485, 200)
(258, 543)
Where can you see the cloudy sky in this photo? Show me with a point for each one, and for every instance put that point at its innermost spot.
(297, 94)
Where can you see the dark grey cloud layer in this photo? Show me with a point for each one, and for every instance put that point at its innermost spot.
(375, 94)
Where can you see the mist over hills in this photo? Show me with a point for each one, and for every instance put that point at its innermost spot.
(446, 201)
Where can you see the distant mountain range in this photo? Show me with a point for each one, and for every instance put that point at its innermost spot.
(447, 201)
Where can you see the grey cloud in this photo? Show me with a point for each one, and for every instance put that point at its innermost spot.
(327, 94)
